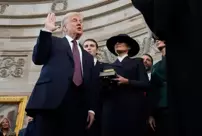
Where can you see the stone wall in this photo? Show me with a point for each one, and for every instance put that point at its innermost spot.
(21, 22)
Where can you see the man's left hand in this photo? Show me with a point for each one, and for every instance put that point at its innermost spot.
(90, 119)
(121, 80)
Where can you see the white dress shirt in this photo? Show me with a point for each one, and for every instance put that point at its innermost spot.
(120, 58)
(80, 52)
(95, 61)
(69, 39)
(149, 75)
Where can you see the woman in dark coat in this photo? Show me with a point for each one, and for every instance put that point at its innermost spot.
(124, 105)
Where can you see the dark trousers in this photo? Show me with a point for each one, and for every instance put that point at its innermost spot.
(95, 129)
(162, 123)
(68, 120)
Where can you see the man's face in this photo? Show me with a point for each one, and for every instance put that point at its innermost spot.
(90, 47)
(74, 25)
(121, 48)
(160, 44)
(147, 61)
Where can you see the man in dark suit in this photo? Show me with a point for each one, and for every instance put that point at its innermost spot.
(158, 119)
(91, 46)
(22, 131)
(61, 99)
(30, 130)
(124, 110)
(178, 22)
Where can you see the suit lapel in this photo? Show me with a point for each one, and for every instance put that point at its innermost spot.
(120, 66)
(97, 64)
(69, 53)
(67, 46)
(126, 60)
(83, 61)
(117, 63)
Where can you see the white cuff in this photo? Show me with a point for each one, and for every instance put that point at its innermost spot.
(91, 112)
(44, 29)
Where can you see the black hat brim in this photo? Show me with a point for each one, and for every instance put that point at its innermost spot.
(134, 46)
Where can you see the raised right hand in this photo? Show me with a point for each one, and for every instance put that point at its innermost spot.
(50, 22)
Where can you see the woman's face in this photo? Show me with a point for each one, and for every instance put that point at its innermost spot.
(5, 123)
(121, 48)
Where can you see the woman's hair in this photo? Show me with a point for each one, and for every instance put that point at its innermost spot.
(1, 122)
(92, 40)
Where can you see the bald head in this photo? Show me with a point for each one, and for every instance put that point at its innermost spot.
(72, 24)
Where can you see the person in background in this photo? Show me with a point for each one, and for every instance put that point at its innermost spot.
(91, 46)
(148, 63)
(158, 119)
(5, 127)
(22, 131)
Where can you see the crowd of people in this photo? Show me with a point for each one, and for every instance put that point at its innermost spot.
(78, 95)
(70, 86)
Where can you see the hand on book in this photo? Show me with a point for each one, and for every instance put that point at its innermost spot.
(121, 80)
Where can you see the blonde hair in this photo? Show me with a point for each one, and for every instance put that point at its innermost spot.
(1, 122)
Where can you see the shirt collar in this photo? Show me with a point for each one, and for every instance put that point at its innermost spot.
(120, 58)
(95, 61)
(70, 39)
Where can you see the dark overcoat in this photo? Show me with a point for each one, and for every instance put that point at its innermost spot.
(124, 106)
(178, 22)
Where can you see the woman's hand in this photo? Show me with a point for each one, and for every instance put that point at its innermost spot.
(121, 80)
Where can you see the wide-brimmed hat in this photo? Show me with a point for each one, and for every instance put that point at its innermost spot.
(123, 38)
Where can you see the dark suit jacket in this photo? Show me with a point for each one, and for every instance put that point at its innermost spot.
(158, 95)
(30, 130)
(175, 21)
(179, 23)
(96, 72)
(55, 79)
(22, 132)
(160, 15)
(95, 129)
